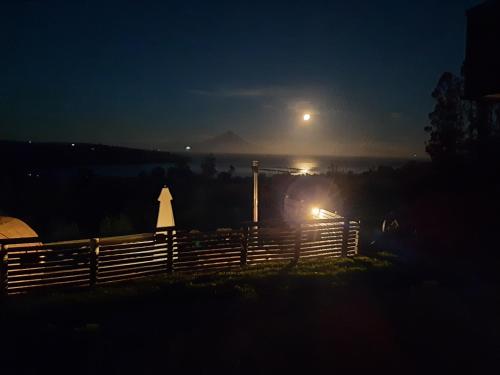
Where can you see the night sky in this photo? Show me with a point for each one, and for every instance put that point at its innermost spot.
(166, 74)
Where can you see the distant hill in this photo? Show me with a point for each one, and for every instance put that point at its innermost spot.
(228, 142)
(39, 154)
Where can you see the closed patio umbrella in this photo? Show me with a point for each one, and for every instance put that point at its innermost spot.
(165, 212)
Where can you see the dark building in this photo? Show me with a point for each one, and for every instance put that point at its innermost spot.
(482, 61)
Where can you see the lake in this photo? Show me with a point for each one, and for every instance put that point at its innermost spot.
(242, 164)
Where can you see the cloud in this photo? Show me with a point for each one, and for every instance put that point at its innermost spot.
(291, 99)
(300, 106)
(246, 92)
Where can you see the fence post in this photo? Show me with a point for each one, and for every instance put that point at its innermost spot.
(4, 258)
(298, 240)
(170, 250)
(244, 247)
(94, 260)
(345, 237)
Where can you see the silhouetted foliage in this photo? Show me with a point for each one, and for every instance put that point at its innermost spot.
(496, 129)
(461, 129)
(459, 197)
(208, 166)
(115, 225)
(226, 176)
(447, 121)
(158, 173)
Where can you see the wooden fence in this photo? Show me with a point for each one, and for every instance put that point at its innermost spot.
(26, 264)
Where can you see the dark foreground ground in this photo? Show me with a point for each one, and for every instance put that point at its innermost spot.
(348, 315)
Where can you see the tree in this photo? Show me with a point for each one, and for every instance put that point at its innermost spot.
(447, 121)
(226, 176)
(208, 166)
(461, 127)
(496, 129)
(180, 170)
(115, 225)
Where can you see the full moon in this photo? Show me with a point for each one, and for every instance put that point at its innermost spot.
(307, 117)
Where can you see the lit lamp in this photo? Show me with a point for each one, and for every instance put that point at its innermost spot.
(321, 214)
(316, 213)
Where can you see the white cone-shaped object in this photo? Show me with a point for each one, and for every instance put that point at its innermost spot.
(165, 213)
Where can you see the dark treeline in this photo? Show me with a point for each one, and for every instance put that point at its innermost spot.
(85, 204)
(440, 210)
(463, 133)
(52, 155)
(459, 194)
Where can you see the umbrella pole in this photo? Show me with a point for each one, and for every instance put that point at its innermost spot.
(255, 169)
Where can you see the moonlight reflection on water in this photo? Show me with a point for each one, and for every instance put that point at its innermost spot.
(306, 167)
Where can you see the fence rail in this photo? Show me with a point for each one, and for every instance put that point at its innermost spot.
(26, 264)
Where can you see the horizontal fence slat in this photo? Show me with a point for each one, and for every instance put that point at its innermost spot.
(206, 262)
(267, 257)
(208, 249)
(183, 258)
(68, 284)
(321, 241)
(17, 264)
(17, 252)
(208, 268)
(41, 268)
(31, 264)
(270, 251)
(105, 267)
(207, 245)
(51, 280)
(132, 253)
(47, 273)
(128, 245)
(128, 270)
(129, 276)
(127, 239)
(259, 261)
(321, 251)
(318, 256)
(132, 261)
(325, 246)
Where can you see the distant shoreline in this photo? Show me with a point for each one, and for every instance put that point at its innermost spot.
(62, 154)
(124, 161)
(241, 164)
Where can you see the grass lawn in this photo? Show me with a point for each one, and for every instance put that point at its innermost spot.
(350, 315)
